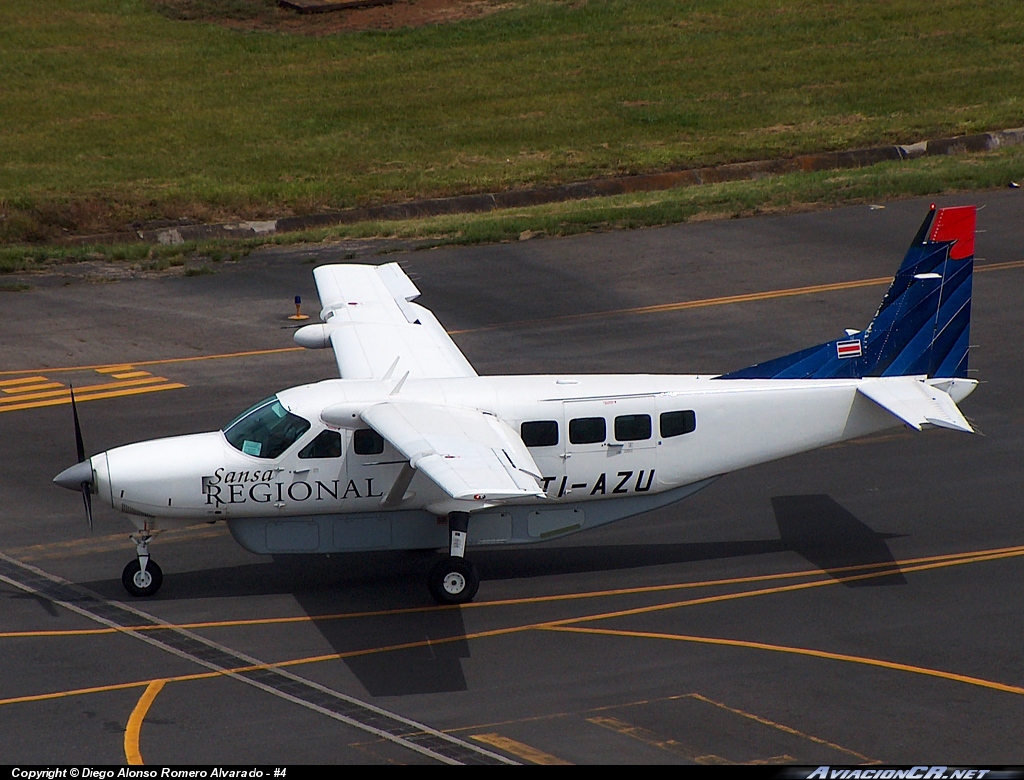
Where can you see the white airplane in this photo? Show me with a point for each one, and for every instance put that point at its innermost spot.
(411, 449)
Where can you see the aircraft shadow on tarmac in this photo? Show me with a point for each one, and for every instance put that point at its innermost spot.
(831, 538)
(813, 526)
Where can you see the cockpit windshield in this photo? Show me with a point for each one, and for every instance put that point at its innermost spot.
(266, 430)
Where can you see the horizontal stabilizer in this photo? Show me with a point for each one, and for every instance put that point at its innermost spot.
(469, 454)
(915, 402)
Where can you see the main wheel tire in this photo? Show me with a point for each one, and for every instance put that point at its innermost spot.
(139, 584)
(453, 581)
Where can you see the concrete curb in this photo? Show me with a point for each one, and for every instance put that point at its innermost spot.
(326, 6)
(467, 204)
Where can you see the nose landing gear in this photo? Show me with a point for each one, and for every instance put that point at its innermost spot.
(142, 583)
(142, 577)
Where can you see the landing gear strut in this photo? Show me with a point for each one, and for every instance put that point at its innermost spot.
(142, 577)
(453, 579)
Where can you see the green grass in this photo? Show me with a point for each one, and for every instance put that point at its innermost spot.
(111, 112)
(926, 176)
(22, 258)
(796, 191)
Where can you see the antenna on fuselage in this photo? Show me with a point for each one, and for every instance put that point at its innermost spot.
(390, 371)
(400, 383)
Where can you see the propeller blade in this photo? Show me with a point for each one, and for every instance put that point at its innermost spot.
(87, 498)
(78, 427)
(80, 446)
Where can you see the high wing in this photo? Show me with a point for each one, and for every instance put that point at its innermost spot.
(915, 402)
(377, 331)
(469, 454)
(371, 321)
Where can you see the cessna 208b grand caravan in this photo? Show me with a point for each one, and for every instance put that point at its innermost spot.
(411, 449)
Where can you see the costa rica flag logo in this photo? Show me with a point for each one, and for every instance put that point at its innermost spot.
(849, 349)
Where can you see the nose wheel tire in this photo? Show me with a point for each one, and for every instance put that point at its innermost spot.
(142, 584)
(453, 581)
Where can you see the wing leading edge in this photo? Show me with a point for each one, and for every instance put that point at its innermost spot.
(370, 321)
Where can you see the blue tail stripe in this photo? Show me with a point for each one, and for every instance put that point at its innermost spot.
(919, 320)
(933, 347)
(810, 365)
(800, 365)
(919, 259)
(948, 341)
(915, 356)
(951, 366)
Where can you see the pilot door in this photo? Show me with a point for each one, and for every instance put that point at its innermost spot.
(313, 475)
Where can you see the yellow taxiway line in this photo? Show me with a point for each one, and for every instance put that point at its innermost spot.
(28, 380)
(134, 727)
(544, 625)
(570, 625)
(780, 727)
(857, 659)
(638, 310)
(84, 391)
(683, 305)
(519, 750)
(597, 712)
(868, 570)
(791, 588)
(34, 392)
(64, 397)
(723, 300)
(109, 368)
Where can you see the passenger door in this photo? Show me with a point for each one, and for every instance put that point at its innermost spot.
(611, 448)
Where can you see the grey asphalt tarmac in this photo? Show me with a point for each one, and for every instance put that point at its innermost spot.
(861, 603)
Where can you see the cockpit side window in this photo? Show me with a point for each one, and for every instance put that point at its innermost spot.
(266, 430)
(367, 442)
(539, 433)
(327, 444)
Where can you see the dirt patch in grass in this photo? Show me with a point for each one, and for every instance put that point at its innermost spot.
(267, 15)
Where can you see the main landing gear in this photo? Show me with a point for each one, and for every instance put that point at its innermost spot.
(453, 579)
(142, 577)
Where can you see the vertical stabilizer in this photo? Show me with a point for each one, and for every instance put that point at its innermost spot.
(922, 326)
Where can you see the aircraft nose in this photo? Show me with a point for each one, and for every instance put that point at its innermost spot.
(73, 477)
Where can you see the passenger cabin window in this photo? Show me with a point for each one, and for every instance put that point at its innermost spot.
(633, 427)
(266, 430)
(539, 433)
(677, 423)
(326, 445)
(367, 442)
(587, 430)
